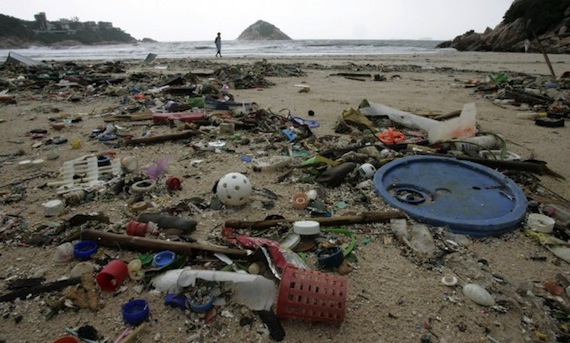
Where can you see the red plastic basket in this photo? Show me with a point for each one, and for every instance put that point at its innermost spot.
(311, 295)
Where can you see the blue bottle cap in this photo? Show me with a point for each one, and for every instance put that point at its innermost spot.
(202, 307)
(163, 258)
(82, 250)
(135, 311)
(330, 257)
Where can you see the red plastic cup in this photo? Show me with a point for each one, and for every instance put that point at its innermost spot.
(135, 228)
(111, 277)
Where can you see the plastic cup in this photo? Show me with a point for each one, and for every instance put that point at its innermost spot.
(111, 277)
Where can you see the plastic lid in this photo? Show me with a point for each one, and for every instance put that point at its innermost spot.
(163, 258)
(135, 311)
(82, 250)
(306, 227)
(469, 198)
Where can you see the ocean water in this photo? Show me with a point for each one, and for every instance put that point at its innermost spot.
(230, 48)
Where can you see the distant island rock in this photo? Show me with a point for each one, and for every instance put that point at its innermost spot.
(148, 40)
(262, 30)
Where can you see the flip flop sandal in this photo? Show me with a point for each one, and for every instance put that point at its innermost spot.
(310, 123)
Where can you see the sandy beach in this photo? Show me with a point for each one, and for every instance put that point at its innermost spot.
(394, 295)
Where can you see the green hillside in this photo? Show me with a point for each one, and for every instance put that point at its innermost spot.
(14, 32)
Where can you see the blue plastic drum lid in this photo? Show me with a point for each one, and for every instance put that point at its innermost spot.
(469, 198)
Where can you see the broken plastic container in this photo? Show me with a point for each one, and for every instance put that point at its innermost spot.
(253, 291)
(438, 131)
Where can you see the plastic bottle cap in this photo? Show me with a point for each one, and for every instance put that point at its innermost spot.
(135, 311)
(202, 307)
(540, 223)
(173, 183)
(163, 258)
(53, 208)
(306, 227)
(449, 280)
(135, 228)
(330, 257)
(84, 249)
(300, 201)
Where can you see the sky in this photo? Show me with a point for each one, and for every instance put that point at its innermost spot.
(192, 20)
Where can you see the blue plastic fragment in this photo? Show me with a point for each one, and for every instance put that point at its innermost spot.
(290, 134)
(175, 300)
(246, 159)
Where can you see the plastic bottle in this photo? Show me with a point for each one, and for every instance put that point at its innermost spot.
(560, 214)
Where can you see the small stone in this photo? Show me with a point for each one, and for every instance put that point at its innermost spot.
(245, 321)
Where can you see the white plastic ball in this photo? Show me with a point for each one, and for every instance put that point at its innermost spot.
(367, 170)
(234, 189)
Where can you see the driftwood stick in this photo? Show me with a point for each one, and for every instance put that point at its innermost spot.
(546, 59)
(48, 287)
(363, 218)
(160, 139)
(141, 244)
(533, 167)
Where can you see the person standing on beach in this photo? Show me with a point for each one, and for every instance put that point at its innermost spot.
(526, 45)
(218, 42)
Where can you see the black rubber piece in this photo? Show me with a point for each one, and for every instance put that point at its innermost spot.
(276, 331)
(549, 122)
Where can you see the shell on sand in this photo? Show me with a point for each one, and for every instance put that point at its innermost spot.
(478, 294)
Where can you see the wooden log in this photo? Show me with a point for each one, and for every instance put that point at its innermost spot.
(363, 218)
(141, 244)
(160, 139)
(48, 287)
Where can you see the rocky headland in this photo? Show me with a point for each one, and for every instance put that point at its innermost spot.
(538, 21)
